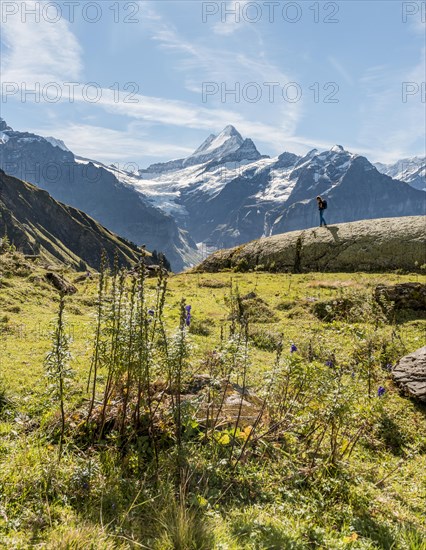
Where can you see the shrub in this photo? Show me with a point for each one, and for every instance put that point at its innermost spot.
(265, 339)
(241, 266)
(285, 305)
(214, 283)
(200, 327)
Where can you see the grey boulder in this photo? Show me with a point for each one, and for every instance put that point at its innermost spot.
(410, 374)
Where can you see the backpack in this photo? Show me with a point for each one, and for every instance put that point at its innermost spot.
(324, 205)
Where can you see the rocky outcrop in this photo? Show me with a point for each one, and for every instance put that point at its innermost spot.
(368, 245)
(404, 295)
(410, 374)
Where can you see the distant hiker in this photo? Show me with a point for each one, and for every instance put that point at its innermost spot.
(322, 205)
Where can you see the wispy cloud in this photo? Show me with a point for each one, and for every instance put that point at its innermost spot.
(344, 73)
(228, 67)
(111, 146)
(44, 52)
(38, 51)
(391, 125)
(231, 15)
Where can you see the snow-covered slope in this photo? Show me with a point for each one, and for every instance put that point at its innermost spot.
(57, 143)
(411, 170)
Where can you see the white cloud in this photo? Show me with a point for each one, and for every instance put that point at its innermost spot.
(38, 51)
(111, 146)
(231, 15)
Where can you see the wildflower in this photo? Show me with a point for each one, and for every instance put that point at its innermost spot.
(293, 348)
(388, 366)
(351, 538)
(188, 315)
(151, 312)
(380, 391)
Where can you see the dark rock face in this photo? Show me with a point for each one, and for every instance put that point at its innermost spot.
(405, 295)
(38, 225)
(94, 190)
(410, 374)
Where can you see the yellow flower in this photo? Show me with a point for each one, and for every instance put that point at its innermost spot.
(224, 439)
(350, 539)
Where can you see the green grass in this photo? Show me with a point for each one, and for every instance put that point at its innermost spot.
(98, 497)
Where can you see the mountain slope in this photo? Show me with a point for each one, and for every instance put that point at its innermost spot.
(37, 224)
(410, 170)
(48, 164)
(368, 245)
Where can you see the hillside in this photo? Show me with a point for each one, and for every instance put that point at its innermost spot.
(368, 245)
(39, 225)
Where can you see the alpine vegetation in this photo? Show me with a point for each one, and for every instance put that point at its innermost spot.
(272, 425)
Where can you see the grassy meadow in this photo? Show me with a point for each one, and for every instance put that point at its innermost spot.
(326, 463)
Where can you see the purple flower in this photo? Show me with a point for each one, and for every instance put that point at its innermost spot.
(381, 391)
(188, 319)
(188, 309)
(329, 363)
(388, 366)
(151, 312)
(293, 348)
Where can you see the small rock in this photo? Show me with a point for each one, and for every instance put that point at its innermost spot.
(410, 374)
(222, 402)
(60, 283)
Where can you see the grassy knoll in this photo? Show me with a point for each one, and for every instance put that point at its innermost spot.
(326, 464)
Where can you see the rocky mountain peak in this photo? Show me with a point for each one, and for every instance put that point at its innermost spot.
(217, 147)
(4, 126)
(230, 131)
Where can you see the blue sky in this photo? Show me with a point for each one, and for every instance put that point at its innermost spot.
(310, 74)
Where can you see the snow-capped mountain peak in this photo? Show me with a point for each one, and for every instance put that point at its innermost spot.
(227, 146)
(216, 147)
(411, 170)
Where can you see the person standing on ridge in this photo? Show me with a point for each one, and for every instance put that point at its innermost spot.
(322, 205)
